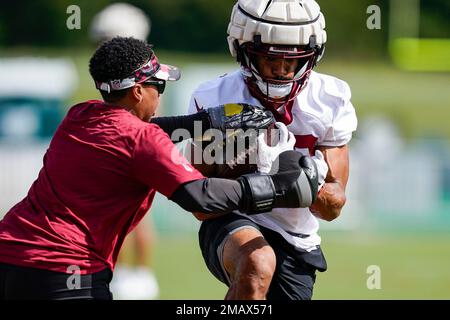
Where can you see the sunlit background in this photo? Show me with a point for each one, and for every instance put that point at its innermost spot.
(397, 218)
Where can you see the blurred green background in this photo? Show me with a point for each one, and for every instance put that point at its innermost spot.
(398, 212)
(413, 266)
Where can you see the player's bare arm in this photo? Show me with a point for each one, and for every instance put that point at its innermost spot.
(331, 198)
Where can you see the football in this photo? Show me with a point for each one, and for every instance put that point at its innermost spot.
(232, 156)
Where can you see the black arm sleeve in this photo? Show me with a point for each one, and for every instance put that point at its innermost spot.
(212, 195)
(170, 124)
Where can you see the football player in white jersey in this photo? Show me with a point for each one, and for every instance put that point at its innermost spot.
(277, 43)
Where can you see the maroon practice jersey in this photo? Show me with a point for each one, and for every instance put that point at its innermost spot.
(99, 178)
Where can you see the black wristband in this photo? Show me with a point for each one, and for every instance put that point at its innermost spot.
(259, 193)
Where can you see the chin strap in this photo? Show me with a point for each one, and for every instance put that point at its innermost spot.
(286, 115)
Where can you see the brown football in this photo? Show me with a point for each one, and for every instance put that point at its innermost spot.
(238, 155)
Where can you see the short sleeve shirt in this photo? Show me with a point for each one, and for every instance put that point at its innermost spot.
(99, 177)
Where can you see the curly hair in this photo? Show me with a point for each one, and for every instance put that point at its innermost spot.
(117, 59)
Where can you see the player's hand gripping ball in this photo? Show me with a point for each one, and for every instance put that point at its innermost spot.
(233, 152)
(235, 116)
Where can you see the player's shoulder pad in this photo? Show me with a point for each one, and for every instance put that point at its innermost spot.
(332, 97)
(331, 89)
(217, 91)
(217, 83)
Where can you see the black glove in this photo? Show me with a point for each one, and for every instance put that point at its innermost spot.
(233, 120)
(239, 116)
(294, 186)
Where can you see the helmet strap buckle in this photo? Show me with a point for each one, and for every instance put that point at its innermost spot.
(239, 51)
(312, 42)
(257, 41)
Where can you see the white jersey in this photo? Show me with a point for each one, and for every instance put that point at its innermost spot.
(322, 116)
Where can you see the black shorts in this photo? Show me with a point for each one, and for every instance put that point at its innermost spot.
(295, 271)
(23, 283)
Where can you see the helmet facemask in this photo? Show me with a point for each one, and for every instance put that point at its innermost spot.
(277, 90)
(281, 29)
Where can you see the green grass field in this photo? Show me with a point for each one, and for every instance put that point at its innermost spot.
(413, 266)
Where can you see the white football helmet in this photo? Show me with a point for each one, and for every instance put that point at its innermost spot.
(120, 19)
(288, 29)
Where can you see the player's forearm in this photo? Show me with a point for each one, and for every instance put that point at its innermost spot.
(211, 196)
(290, 187)
(330, 201)
(170, 124)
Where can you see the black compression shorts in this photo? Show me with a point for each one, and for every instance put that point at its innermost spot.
(295, 271)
